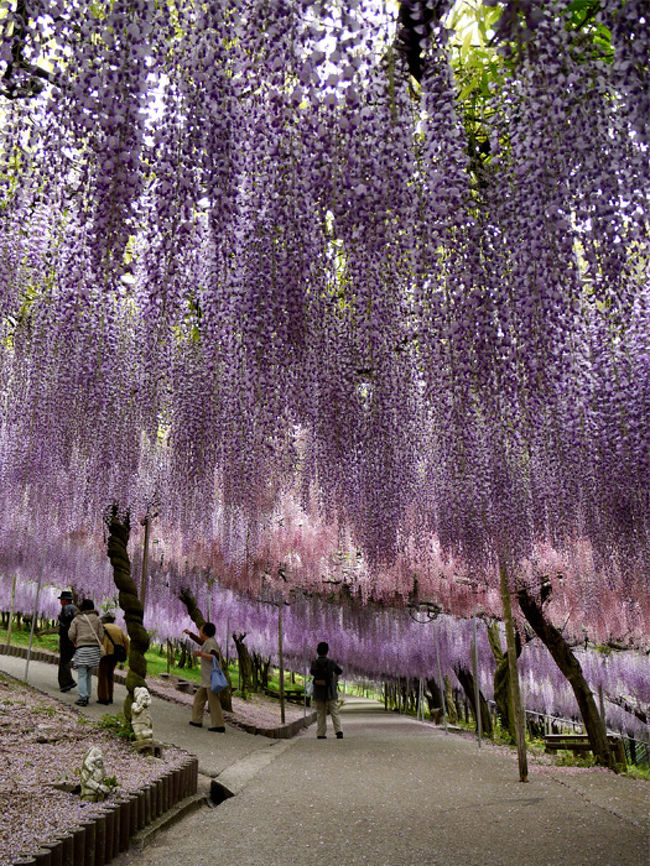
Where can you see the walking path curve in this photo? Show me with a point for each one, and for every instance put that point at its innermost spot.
(392, 792)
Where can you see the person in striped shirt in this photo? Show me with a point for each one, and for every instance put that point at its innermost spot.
(87, 634)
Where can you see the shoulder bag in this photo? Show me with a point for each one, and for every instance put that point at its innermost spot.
(119, 651)
(102, 651)
(218, 681)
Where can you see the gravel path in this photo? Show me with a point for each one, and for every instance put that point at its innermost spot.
(401, 793)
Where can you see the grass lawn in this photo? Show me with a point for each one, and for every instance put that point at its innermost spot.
(156, 660)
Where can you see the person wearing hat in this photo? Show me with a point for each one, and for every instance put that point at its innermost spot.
(66, 647)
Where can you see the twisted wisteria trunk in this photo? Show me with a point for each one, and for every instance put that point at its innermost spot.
(245, 664)
(196, 615)
(261, 666)
(466, 679)
(433, 697)
(193, 609)
(502, 696)
(452, 712)
(570, 667)
(118, 539)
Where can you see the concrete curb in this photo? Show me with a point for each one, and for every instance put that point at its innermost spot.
(147, 835)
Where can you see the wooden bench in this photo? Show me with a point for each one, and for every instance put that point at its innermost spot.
(295, 696)
(578, 743)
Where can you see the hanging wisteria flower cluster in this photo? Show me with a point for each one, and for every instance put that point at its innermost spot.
(247, 259)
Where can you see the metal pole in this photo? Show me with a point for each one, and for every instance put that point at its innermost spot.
(477, 694)
(227, 644)
(31, 633)
(441, 683)
(281, 660)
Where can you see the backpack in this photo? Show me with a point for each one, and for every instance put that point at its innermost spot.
(324, 675)
(118, 650)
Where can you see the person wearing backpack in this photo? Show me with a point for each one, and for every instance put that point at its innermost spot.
(325, 672)
(116, 651)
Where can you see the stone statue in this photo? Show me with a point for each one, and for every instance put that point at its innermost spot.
(93, 789)
(141, 716)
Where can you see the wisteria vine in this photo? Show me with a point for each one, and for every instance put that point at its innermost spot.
(253, 271)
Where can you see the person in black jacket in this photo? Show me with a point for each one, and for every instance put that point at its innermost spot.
(66, 647)
(325, 672)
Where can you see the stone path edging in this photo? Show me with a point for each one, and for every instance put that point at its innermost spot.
(126, 819)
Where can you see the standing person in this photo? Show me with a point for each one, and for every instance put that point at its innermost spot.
(66, 647)
(325, 672)
(87, 634)
(116, 649)
(209, 650)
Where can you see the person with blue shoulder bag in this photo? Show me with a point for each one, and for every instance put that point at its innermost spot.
(208, 653)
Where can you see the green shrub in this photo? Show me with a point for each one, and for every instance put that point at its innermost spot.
(118, 725)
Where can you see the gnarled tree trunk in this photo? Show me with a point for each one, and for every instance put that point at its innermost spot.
(245, 664)
(570, 667)
(502, 696)
(433, 698)
(261, 667)
(118, 538)
(452, 713)
(192, 608)
(466, 679)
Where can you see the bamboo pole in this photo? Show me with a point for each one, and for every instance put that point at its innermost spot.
(513, 678)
